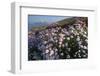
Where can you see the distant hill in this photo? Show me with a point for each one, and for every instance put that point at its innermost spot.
(61, 23)
(70, 21)
(67, 21)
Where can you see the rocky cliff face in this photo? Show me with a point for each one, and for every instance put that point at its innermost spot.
(66, 39)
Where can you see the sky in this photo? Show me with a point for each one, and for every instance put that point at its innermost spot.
(32, 19)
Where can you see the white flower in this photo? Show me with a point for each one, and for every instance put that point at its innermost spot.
(51, 52)
(47, 51)
(62, 45)
(79, 55)
(78, 38)
(50, 48)
(67, 33)
(68, 56)
(46, 34)
(56, 40)
(81, 46)
(68, 38)
(51, 39)
(76, 53)
(61, 35)
(55, 37)
(60, 42)
(72, 31)
(85, 47)
(83, 51)
(66, 44)
(85, 32)
(84, 55)
(82, 30)
(56, 49)
(86, 40)
(62, 54)
(79, 50)
(61, 39)
(84, 35)
(72, 36)
(45, 42)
